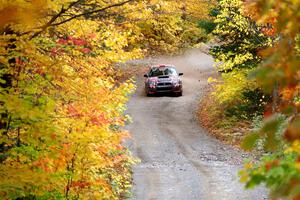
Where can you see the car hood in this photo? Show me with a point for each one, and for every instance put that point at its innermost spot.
(163, 79)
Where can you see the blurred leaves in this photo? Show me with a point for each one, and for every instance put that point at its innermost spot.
(279, 73)
(250, 141)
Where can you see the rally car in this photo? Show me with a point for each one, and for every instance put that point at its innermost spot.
(163, 79)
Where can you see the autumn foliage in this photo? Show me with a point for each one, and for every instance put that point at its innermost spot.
(278, 73)
(61, 104)
(61, 110)
(258, 59)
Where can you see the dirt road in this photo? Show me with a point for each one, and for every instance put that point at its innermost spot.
(179, 161)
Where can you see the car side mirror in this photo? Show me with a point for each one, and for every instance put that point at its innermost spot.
(180, 74)
(146, 75)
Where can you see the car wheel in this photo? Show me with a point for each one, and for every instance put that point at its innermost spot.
(179, 94)
(148, 94)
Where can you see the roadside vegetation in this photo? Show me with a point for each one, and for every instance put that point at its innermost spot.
(62, 100)
(256, 96)
(63, 96)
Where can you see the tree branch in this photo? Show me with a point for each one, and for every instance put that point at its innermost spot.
(54, 18)
(92, 12)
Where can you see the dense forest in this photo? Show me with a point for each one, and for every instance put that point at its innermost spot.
(62, 104)
(257, 55)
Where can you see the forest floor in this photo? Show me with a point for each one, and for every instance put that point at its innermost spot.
(211, 117)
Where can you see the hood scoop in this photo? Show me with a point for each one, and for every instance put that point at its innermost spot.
(163, 77)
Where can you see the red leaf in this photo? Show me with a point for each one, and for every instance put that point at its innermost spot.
(85, 50)
(62, 41)
(267, 113)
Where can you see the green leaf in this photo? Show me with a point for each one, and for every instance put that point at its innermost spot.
(250, 141)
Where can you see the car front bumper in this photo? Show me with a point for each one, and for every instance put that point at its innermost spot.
(164, 89)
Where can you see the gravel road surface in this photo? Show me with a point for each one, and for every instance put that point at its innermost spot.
(179, 160)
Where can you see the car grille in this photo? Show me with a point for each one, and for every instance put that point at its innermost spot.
(164, 84)
(164, 87)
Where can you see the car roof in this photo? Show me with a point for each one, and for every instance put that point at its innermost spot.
(162, 65)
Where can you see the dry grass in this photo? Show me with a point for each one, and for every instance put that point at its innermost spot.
(212, 118)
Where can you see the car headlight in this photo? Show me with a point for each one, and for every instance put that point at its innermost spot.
(152, 84)
(176, 83)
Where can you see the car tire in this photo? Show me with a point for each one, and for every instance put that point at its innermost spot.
(179, 94)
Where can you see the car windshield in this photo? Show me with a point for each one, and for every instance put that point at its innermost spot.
(158, 71)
